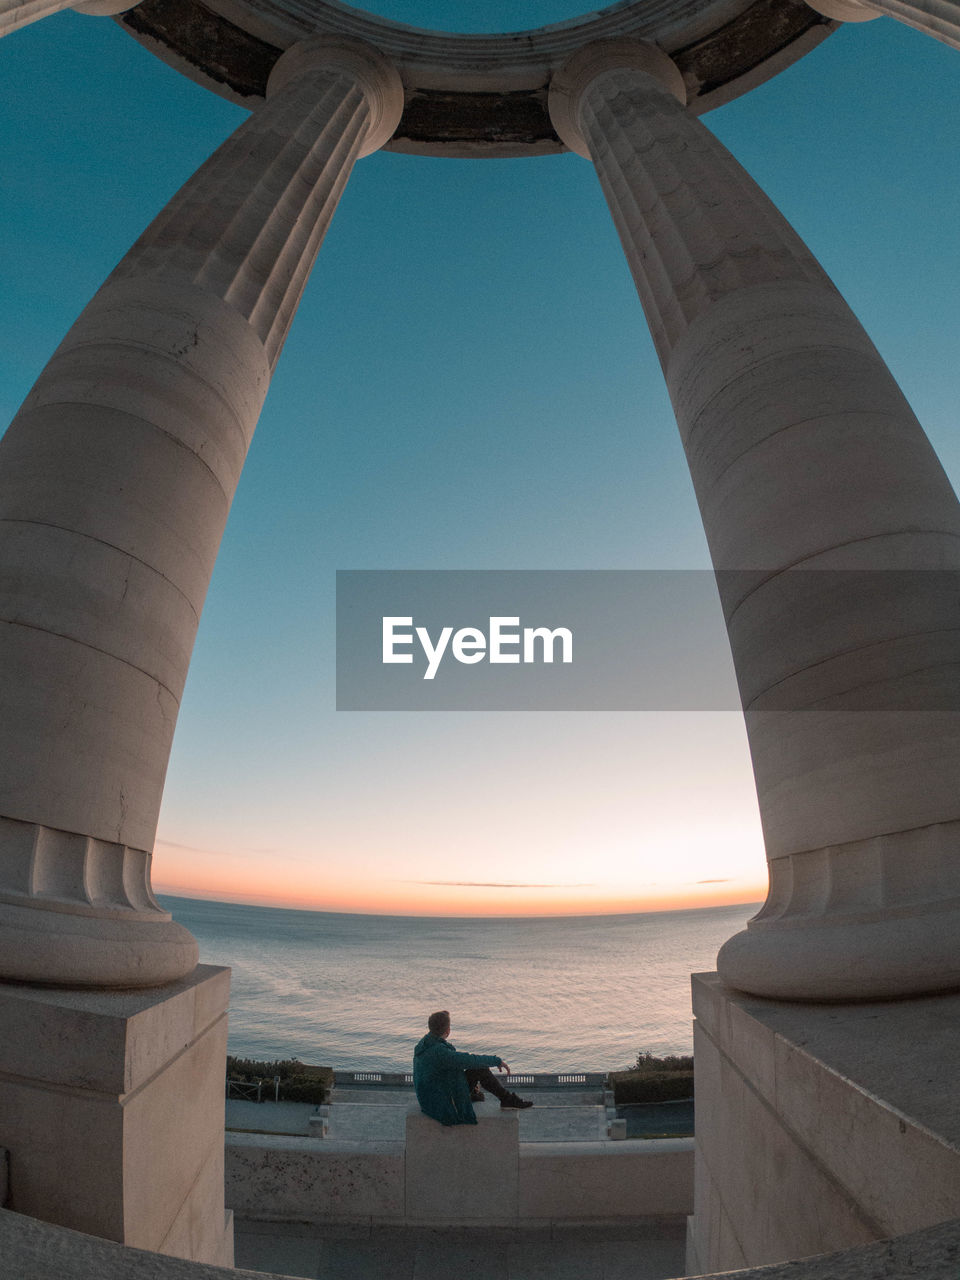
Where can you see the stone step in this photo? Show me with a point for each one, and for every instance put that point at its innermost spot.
(371, 1096)
(360, 1122)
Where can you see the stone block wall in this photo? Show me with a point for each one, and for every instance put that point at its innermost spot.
(820, 1127)
(112, 1109)
(466, 1175)
(272, 1176)
(605, 1180)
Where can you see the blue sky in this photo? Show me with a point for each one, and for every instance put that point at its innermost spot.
(469, 383)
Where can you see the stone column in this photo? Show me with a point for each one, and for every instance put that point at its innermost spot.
(20, 13)
(937, 18)
(116, 478)
(835, 534)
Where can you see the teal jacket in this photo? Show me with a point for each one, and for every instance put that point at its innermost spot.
(438, 1078)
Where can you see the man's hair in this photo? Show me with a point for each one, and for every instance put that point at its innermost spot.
(439, 1022)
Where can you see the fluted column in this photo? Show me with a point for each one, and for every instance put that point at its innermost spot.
(835, 534)
(20, 13)
(116, 478)
(937, 18)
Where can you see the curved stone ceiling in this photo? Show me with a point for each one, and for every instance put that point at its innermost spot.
(480, 95)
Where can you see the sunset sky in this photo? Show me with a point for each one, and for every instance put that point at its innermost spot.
(469, 384)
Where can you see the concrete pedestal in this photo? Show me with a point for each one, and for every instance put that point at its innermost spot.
(111, 1106)
(820, 1127)
(458, 1174)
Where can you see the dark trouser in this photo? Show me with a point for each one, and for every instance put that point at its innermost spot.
(485, 1078)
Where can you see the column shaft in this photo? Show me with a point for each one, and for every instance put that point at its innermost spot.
(116, 478)
(824, 507)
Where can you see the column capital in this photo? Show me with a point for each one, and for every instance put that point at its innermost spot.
(377, 78)
(104, 8)
(844, 10)
(596, 59)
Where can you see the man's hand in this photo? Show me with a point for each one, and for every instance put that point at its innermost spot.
(502, 1066)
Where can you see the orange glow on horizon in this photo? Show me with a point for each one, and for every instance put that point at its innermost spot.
(326, 889)
(639, 907)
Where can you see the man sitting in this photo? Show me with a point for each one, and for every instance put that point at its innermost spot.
(447, 1082)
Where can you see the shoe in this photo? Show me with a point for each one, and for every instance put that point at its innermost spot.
(477, 1094)
(512, 1103)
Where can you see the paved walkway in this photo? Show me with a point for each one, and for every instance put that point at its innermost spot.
(650, 1250)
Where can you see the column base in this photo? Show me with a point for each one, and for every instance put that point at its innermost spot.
(61, 948)
(112, 1110)
(913, 952)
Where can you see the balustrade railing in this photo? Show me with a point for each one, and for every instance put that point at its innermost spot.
(530, 1080)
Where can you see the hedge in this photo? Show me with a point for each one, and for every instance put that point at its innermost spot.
(654, 1079)
(299, 1081)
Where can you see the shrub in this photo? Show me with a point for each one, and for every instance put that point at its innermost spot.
(299, 1081)
(672, 1062)
(653, 1079)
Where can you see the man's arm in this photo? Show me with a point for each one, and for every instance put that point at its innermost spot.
(455, 1059)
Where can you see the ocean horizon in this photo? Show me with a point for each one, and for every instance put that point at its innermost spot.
(546, 993)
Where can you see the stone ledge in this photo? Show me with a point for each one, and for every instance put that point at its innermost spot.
(106, 1041)
(889, 1048)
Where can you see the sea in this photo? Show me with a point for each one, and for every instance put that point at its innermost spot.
(580, 993)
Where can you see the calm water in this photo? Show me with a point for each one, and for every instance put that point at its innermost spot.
(353, 991)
